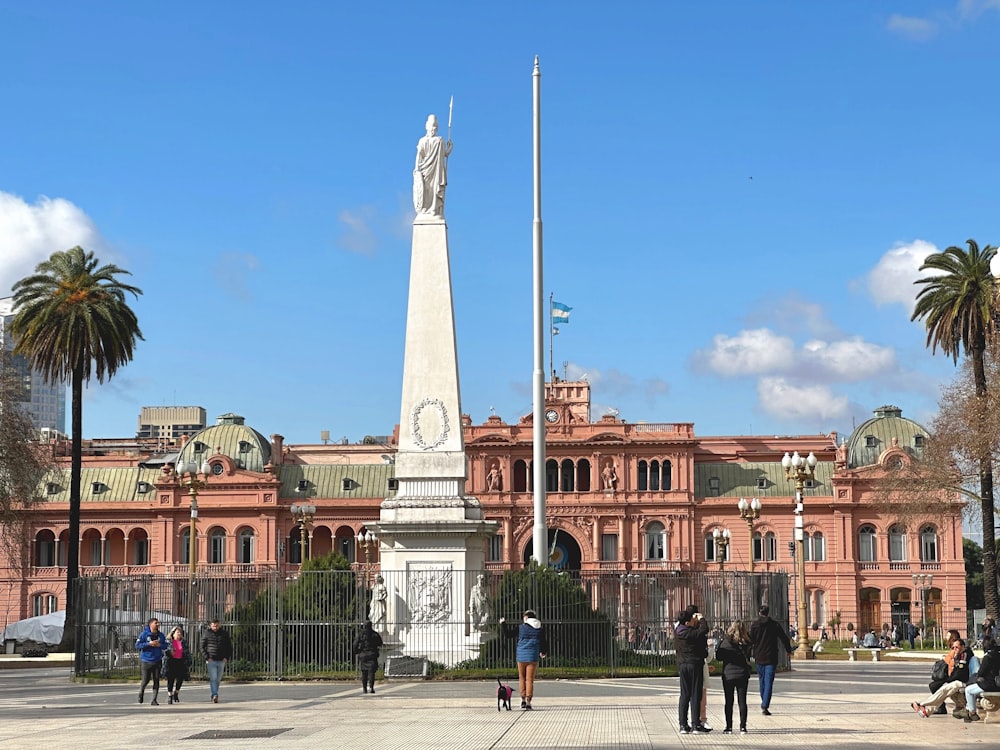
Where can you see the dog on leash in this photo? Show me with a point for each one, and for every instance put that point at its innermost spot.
(503, 695)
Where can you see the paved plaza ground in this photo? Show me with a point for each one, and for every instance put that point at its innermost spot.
(818, 705)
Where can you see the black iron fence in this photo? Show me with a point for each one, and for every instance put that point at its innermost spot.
(305, 626)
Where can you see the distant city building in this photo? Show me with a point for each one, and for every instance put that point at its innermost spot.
(44, 402)
(170, 422)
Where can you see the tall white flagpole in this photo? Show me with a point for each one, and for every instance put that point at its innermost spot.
(539, 533)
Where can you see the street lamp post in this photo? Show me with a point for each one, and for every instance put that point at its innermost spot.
(368, 542)
(798, 470)
(189, 475)
(749, 512)
(923, 582)
(194, 479)
(721, 538)
(303, 513)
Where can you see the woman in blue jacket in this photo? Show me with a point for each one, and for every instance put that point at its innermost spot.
(532, 645)
(150, 645)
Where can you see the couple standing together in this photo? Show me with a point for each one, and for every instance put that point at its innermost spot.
(691, 644)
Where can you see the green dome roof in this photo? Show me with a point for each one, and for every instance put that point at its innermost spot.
(231, 437)
(872, 438)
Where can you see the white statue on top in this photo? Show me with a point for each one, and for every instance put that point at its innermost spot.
(430, 172)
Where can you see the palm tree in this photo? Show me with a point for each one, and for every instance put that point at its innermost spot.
(72, 322)
(957, 307)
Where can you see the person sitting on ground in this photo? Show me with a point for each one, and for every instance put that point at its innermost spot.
(984, 680)
(958, 660)
(870, 640)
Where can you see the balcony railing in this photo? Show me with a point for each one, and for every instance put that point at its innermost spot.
(868, 566)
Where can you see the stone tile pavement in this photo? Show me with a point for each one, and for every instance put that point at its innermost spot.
(818, 705)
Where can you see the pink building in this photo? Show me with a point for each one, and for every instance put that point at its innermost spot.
(624, 497)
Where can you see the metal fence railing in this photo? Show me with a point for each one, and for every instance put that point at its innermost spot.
(305, 626)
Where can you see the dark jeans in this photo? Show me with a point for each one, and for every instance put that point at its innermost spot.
(150, 670)
(175, 676)
(368, 669)
(738, 686)
(765, 676)
(692, 680)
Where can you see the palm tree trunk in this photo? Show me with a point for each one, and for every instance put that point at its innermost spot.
(73, 547)
(986, 495)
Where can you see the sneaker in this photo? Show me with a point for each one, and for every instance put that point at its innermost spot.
(524, 703)
(960, 713)
(765, 712)
(727, 730)
(706, 724)
(922, 710)
(702, 728)
(743, 730)
(215, 699)
(685, 730)
(942, 709)
(972, 717)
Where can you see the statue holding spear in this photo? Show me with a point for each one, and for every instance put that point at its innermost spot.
(430, 171)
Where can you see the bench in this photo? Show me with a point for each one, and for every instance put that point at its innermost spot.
(989, 704)
(852, 653)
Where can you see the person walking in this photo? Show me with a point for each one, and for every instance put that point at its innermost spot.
(176, 663)
(217, 649)
(532, 645)
(150, 645)
(765, 636)
(734, 653)
(367, 646)
(691, 648)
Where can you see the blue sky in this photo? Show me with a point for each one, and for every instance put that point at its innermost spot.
(736, 197)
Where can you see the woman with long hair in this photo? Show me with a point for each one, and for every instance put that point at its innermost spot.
(734, 653)
(176, 663)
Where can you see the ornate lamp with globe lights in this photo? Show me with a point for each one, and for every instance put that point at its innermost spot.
(194, 479)
(749, 512)
(799, 470)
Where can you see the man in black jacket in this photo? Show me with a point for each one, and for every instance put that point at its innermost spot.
(691, 649)
(766, 635)
(367, 646)
(217, 649)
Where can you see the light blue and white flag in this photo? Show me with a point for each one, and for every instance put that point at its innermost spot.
(560, 313)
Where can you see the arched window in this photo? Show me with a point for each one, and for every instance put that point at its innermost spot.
(520, 476)
(816, 547)
(770, 547)
(217, 546)
(897, 543)
(551, 475)
(140, 547)
(666, 476)
(656, 541)
(928, 544)
(246, 547)
(818, 611)
(642, 481)
(867, 547)
(568, 476)
(654, 476)
(185, 543)
(758, 546)
(710, 555)
(583, 475)
(43, 604)
(45, 549)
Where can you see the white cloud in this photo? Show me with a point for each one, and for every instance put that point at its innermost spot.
(847, 360)
(794, 314)
(891, 281)
(30, 233)
(231, 271)
(917, 29)
(969, 10)
(780, 398)
(357, 234)
(751, 352)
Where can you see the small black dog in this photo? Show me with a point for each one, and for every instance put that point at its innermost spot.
(503, 695)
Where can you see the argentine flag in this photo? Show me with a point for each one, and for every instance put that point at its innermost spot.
(560, 313)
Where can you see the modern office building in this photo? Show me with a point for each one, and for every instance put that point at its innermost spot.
(170, 423)
(44, 402)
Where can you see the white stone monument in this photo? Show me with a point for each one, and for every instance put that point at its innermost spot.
(430, 533)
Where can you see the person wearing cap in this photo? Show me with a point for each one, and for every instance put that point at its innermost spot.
(532, 645)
